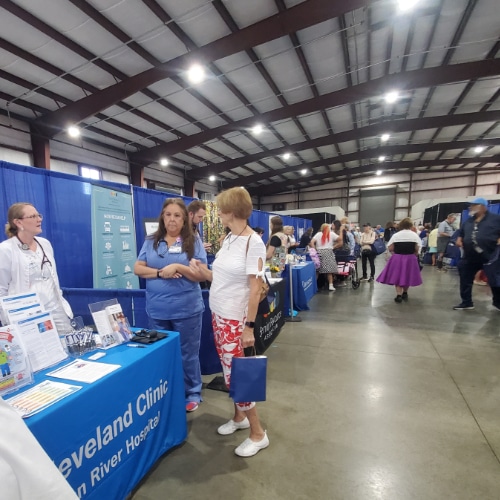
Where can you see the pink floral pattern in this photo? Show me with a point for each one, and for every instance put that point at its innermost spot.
(227, 337)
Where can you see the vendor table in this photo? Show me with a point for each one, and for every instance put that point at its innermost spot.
(133, 304)
(304, 286)
(105, 437)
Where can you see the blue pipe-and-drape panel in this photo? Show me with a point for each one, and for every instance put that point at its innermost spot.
(261, 219)
(65, 202)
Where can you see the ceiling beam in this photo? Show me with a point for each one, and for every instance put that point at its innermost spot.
(282, 187)
(378, 129)
(427, 77)
(297, 18)
(367, 154)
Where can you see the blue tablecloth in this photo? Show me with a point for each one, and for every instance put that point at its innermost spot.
(105, 437)
(133, 304)
(304, 286)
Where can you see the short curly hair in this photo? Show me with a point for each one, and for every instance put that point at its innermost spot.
(235, 201)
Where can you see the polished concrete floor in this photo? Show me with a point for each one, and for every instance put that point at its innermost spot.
(367, 399)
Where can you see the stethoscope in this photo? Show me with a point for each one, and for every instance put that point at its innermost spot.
(26, 247)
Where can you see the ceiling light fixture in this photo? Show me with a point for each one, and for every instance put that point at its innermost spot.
(406, 4)
(381, 159)
(257, 129)
(391, 97)
(163, 162)
(385, 137)
(73, 131)
(379, 172)
(211, 178)
(196, 74)
(286, 156)
(479, 149)
(303, 171)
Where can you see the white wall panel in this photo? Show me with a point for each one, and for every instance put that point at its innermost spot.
(65, 167)
(400, 213)
(93, 156)
(486, 190)
(13, 156)
(169, 177)
(15, 134)
(114, 177)
(402, 200)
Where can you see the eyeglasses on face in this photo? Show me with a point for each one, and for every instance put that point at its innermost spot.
(34, 216)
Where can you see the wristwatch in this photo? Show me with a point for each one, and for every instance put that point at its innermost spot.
(250, 324)
(158, 273)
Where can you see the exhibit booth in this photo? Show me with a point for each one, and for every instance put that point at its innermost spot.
(88, 222)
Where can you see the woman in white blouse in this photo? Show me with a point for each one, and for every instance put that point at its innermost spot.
(234, 299)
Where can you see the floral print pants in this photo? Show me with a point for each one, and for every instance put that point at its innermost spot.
(227, 336)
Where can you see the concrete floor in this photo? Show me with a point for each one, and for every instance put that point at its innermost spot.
(367, 399)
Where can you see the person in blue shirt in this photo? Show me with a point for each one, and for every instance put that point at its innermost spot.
(478, 236)
(173, 294)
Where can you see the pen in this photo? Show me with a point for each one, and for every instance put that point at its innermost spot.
(134, 345)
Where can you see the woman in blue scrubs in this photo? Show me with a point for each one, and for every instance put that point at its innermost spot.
(173, 295)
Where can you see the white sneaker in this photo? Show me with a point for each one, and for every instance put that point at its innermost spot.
(250, 448)
(232, 426)
(331, 288)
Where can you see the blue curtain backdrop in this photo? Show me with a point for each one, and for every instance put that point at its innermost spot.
(65, 202)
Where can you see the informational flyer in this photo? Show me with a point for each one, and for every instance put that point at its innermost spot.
(84, 371)
(16, 307)
(114, 250)
(41, 339)
(14, 363)
(40, 397)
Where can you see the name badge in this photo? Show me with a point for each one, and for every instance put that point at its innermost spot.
(175, 250)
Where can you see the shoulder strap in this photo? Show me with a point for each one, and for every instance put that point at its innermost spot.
(248, 243)
(246, 253)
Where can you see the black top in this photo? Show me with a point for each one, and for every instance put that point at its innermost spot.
(305, 239)
(275, 242)
(483, 235)
(404, 247)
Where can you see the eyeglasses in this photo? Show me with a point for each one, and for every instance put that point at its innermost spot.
(34, 216)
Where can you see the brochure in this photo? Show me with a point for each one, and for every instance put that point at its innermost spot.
(17, 307)
(14, 362)
(84, 371)
(39, 336)
(111, 324)
(40, 397)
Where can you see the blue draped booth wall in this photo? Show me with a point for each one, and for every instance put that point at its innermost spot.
(65, 202)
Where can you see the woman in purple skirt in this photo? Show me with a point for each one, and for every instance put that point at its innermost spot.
(402, 269)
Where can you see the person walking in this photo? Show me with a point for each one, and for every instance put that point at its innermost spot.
(367, 254)
(432, 244)
(323, 242)
(479, 236)
(445, 232)
(402, 269)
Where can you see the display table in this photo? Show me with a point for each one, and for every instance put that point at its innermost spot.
(105, 437)
(304, 286)
(133, 304)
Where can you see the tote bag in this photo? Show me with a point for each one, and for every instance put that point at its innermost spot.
(378, 246)
(248, 379)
